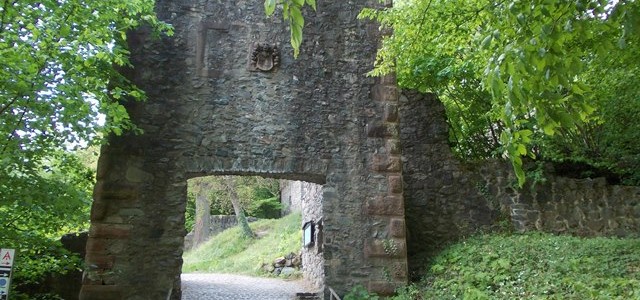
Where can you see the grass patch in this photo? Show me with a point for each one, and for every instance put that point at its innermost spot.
(532, 266)
(229, 252)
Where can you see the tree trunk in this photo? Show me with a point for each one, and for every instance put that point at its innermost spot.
(202, 226)
(235, 201)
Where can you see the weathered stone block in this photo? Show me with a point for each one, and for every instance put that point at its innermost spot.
(98, 211)
(100, 292)
(395, 184)
(99, 260)
(97, 245)
(388, 205)
(389, 79)
(386, 248)
(381, 130)
(390, 112)
(383, 288)
(393, 146)
(106, 230)
(397, 228)
(114, 191)
(384, 93)
(385, 163)
(399, 271)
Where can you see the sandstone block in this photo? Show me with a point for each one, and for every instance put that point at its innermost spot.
(108, 230)
(384, 93)
(100, 292)
(391, 112)
(98, 260)
(389, 205)
(386, 248)
(395, 184)
(397, 228)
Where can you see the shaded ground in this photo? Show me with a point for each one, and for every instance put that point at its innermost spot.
(201, 286)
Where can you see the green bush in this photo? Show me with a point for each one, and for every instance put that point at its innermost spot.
(269, 208)
(532, 266)
(359, 292)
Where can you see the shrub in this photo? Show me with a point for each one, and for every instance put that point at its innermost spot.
(532, 266)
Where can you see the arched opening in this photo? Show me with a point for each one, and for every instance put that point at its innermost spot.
(276, 254)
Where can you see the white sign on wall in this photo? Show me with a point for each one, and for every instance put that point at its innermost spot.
(6, 263)
(6, 258)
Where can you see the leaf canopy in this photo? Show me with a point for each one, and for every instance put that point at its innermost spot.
(510, 72)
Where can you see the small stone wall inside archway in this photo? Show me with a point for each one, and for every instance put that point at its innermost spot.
(306, 198)
(227, 97)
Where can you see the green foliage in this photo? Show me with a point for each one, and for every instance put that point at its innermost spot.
(57, 80)
(359, 292)
(269, 208)
(230, 252)
(510, 72)
(292, 13)
(532, 266)
(610, 141)
(190, 213)
(58, 74)
(258, 196)
(36, 209)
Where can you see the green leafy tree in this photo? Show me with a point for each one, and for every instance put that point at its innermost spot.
(230, 185)
(508, 71)
(257, 196)
(610, 141)
(37, 208)
(57, 81)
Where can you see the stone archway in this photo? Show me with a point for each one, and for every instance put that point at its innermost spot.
(224, 100)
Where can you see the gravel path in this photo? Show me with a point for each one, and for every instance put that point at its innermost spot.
(197, 286)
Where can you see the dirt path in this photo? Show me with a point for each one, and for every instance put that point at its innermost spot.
(197, 286)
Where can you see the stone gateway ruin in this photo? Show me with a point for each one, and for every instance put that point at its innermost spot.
(226, 97)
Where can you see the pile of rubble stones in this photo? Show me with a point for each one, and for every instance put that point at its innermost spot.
(284, 265)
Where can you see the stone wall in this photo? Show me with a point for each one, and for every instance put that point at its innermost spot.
(306, 198)
(447, 200)
(442, 199)
(212, 111)
(583, 207)
(312, 257)
(291, 196)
